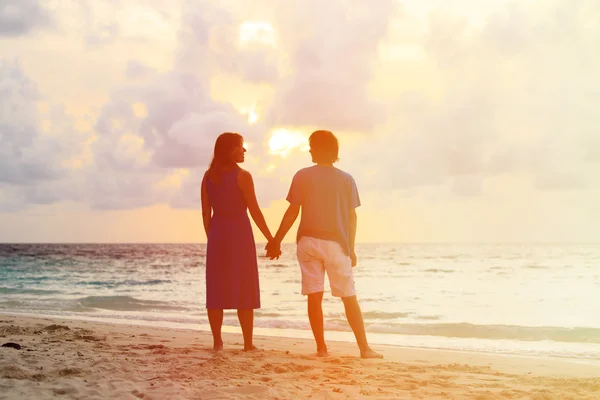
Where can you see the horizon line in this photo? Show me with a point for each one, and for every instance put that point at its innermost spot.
(293, 242)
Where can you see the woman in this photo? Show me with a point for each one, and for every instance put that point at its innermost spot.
(231, 266)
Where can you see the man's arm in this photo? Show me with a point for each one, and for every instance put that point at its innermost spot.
(286, 223)
(353, 220)
(295, 198)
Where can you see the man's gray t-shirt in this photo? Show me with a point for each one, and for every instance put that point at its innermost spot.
(326, 195)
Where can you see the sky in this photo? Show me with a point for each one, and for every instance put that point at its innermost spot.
(463, 121)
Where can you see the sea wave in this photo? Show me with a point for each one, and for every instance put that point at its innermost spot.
(459, 330)
(149, 310)
(385, 315)
(58, 305)
(455, 330)
(509, 332)
(127, 303)
(9, 290)
(116, 283)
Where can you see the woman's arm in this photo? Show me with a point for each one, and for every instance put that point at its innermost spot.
(206, 206)
(247, 185)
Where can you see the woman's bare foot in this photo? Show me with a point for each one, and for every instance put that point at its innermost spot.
(370, 353)
(217, 346)
(251, 348)
(322, 352)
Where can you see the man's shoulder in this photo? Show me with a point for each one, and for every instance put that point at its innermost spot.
(346, 176)
(304, 171)
(316, 171)
(344, 173)
(309, 169)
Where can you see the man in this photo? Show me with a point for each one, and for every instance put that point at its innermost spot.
(325, 242)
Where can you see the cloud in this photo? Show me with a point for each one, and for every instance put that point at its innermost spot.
(36, 164)
(11, 199)
(135, 22)
(103, 34)
(20, 17)
(26, 155)
(510, 92)
(210, 41)
(194, 131)
(150, 142)
(136, 70)
(175, 131)
(332, 48)
(519, 103)
(450, 140)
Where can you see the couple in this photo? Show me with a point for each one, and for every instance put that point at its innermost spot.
(325, 241)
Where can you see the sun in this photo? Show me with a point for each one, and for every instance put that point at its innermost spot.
(283, 141)
(257, 32)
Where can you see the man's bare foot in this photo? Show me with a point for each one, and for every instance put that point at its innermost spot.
(251, 348)
(370, 353)
(217, 346)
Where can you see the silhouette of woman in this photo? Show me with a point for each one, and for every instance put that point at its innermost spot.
(231, 265)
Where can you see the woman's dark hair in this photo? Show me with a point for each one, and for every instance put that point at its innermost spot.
(224, 145)
(324, 146)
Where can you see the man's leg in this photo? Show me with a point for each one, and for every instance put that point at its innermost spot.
(246, 317)
(315, 316)
(313, 278)
(355, 319)
(215, 319)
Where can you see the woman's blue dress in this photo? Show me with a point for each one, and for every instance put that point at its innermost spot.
(231, 265)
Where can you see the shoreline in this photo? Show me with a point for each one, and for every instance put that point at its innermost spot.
(90, 359)
(425, 342)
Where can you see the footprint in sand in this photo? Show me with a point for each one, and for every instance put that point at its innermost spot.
(55, 327)
(63, 391)
(13, 372)
(70, 372)
(246, 390)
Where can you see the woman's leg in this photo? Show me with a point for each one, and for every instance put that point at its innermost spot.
(215, 319)
(246, 317)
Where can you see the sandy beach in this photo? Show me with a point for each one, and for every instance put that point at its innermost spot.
(90, 360)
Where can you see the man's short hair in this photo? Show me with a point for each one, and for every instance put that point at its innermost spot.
(324, 146)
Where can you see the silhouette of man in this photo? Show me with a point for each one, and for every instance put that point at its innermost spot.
(325, 241)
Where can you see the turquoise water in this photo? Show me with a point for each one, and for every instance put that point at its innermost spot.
(521, 299)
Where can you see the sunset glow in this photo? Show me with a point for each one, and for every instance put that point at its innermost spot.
(183, 172)
(283, 141)
(252, 115)
(252, 32)
(441, 110)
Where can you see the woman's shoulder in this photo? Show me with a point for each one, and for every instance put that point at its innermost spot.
(243, 174)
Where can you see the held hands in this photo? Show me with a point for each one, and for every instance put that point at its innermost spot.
(273, 249)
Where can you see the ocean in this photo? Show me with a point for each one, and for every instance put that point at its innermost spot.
(527, 299)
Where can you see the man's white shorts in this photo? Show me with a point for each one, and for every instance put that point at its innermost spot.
(316, 256)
